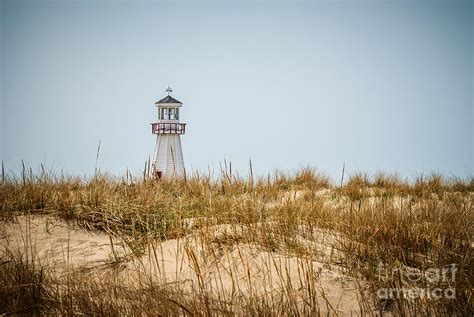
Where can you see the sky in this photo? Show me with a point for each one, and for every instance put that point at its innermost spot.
(375, 85)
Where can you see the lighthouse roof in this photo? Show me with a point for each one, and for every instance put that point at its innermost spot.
(168, 99)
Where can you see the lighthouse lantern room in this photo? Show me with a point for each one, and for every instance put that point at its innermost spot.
(168, 155)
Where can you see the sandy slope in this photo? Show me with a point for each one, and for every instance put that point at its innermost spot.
(240, 270)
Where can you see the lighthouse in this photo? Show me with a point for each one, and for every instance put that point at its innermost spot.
(168, 155)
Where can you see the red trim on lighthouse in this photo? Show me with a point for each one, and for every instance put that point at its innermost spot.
(168, 128)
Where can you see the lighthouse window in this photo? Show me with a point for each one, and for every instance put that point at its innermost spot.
(168, 114)
(164, 113)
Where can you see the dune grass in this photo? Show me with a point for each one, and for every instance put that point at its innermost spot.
(379, 221)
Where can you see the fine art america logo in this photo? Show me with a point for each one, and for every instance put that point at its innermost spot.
(412, 283)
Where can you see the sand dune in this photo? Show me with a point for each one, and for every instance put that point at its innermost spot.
(237, 270)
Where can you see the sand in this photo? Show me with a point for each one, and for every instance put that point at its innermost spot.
(234, 270)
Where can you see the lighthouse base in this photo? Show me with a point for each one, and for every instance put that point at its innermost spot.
(168, 157)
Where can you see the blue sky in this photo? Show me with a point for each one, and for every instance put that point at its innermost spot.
(379, 85)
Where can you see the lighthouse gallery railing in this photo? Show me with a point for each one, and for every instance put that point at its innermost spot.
(175, 128)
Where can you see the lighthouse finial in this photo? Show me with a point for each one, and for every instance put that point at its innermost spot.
(169, 90)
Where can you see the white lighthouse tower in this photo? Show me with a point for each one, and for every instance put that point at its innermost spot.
(168, 156)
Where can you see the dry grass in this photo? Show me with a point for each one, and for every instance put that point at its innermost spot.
(368, 221)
